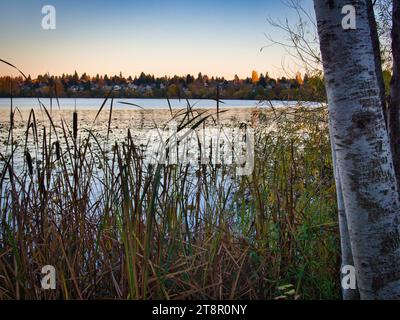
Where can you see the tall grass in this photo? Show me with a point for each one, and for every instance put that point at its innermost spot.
(132, 230)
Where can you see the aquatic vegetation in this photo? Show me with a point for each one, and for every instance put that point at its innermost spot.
(117, 227)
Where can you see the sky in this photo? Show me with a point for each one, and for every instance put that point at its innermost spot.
(214, 37)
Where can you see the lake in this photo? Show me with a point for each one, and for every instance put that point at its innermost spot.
(143, 122)
(90, 104)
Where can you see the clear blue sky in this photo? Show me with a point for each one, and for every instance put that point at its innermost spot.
(215, 37)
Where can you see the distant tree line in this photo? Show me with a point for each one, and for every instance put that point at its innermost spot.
(258, 86)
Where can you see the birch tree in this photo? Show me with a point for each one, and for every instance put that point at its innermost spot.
(345, 246)
(361, 147)
(394, 104)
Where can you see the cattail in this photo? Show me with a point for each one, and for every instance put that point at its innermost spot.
(217, 104)
(12, 106)
(58, 152)
(12, 119)
(11, 174)
(42, 187)
(129, 136)
(29, 162)
(75, 125)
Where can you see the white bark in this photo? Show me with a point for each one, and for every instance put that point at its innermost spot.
(345, 245)
(362, 149)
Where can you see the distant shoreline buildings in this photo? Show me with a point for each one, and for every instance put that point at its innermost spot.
(258, 86)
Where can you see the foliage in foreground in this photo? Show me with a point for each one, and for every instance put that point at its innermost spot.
(136, 231)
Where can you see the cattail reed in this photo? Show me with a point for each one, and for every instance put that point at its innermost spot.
(42, 188)
(58, 152)
(75, 125)
(11, 119)
(29, 162)
(217, 103)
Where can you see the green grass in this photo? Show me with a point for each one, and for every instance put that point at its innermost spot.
(161, 232)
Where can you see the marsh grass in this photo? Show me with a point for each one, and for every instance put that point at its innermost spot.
(133, 230)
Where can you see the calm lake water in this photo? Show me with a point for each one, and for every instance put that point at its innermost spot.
(91, 104)
(143, 122)
(146, 124)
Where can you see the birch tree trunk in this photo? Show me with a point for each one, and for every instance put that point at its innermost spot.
(362, 148)
(394, 114)
(345, 245)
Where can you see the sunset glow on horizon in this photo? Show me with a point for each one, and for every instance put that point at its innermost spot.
(217, 38)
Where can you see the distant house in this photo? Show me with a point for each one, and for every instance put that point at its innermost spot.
(132, 86)
(26, 87)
